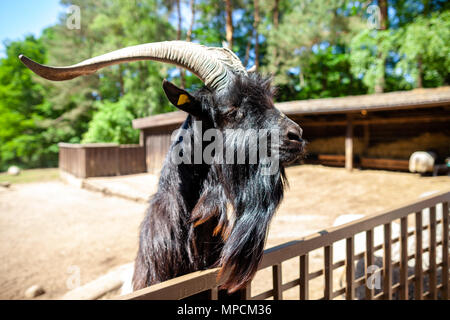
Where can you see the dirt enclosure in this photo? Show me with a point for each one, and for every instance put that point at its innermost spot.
(59, 236)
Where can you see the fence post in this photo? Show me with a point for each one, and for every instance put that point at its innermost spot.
(246, 293)
(387, 262)
(432, 254)
(445, 262)
(328, 268)
(418, 287)
(404, 258)
(304, 277)
(369, 261)
(350, 268)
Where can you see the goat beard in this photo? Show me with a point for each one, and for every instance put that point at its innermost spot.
(254, 197)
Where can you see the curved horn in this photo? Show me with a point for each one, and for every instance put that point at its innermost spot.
(214, 66)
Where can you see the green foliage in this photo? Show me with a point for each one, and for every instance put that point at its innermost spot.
(369, 51)
(424, 47)
(308, 52)
(22, 108)
(112, 123)
(419, 49)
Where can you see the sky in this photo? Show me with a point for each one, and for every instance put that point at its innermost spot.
(21, 17)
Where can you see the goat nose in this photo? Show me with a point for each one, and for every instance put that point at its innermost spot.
(295, 134)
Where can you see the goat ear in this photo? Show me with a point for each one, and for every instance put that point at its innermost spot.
(181, 99)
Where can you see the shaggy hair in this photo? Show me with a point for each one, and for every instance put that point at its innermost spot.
(208, 215)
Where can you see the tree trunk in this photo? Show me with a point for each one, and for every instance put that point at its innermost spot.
(249, 46)
(229, 23)
(384, 14)
(179, 26)
(419, 72)
(380, 82)
(191, 26)
(121, 83)
(255, 26)
(276, 16)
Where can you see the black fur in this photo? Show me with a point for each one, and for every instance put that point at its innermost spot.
(186, 227)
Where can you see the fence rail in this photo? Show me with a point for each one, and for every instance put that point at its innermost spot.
(396, 285)
(101, 159)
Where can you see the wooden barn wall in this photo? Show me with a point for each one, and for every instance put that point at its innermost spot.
(388, 127)
(157, 143)
(131, 159)
(100, 160)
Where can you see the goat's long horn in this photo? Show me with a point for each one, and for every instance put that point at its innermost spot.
(214, 66)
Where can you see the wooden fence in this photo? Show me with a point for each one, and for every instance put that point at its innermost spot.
(399, 280)
(97, 160)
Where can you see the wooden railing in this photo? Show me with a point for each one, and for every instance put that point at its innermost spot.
(101, 159)
(437, 273)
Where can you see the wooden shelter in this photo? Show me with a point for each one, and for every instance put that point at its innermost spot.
(370, 131)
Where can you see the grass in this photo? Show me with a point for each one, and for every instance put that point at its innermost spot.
(32, 175)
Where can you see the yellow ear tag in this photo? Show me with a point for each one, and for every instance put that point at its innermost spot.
(182, 99)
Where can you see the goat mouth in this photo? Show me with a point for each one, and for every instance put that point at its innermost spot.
(292, 151)
(293, 146)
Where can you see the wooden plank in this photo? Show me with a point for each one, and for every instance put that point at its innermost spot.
(304, 277)
(328, 267)
(277, 282)
(246, 293)
(349, 144)
(369, 261)
(432, 255)
(418, 286)
(377, 121)
(350, 269)
(178, 288)
(214, 293)
(392, 164)
(263, 295)
(366, 138)
(387, 262)
(160, 120)
(331, 159)
(291, 284)
(404, 258)
(445, 257)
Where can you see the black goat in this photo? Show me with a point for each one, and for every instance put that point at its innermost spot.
(209, 213)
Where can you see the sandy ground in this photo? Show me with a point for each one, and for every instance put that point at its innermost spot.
(58, 236)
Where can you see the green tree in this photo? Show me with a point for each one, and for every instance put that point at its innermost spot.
(300, 48)
(22, 108)
(425, 51)
(112, 123)
(108, 25)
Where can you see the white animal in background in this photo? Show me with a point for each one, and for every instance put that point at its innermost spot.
(13, 171)
(422, 161)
